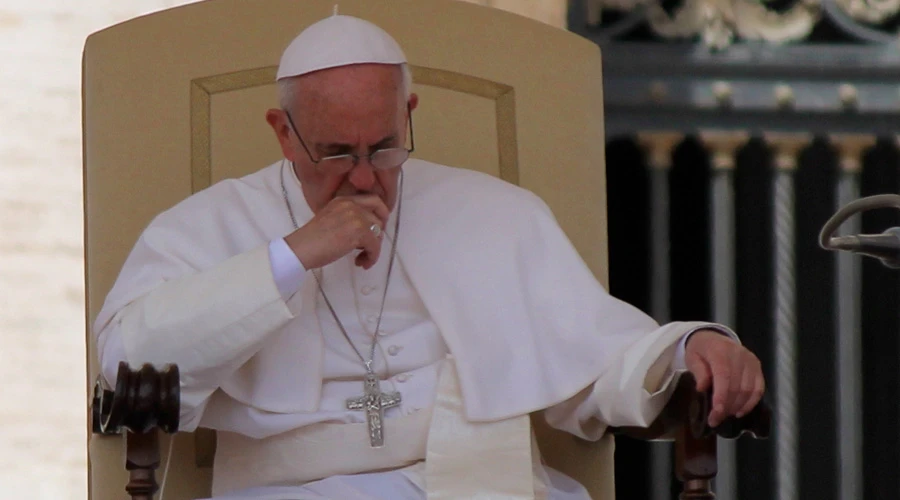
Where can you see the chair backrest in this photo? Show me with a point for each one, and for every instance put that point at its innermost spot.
(174, 101)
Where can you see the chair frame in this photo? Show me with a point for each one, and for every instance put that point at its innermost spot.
(145, 402)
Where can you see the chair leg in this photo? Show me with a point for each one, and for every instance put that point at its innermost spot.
(697, 489)
(685, 418)
(141, 463)
(695, 455)
(145, 402)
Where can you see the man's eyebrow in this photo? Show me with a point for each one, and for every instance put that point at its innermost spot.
(387, 141)
(335, 148)
(332, 148)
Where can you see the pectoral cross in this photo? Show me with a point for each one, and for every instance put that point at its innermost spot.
(374, 402)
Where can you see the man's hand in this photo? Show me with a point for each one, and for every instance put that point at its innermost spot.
(342, 226)
(733, 371)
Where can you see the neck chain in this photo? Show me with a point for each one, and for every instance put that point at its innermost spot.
(366, 362)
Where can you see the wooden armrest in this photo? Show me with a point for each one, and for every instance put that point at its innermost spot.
(144, 402)
(685, 419)
(688, 407)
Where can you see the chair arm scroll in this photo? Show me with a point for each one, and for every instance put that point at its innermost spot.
(685, 419)
(690, 408)
(144, 402)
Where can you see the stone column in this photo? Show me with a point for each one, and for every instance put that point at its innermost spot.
(850, 149)
(659, 146)
(724, 147)
(786, 148)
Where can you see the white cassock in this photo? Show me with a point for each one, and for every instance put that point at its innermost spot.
(491, 315)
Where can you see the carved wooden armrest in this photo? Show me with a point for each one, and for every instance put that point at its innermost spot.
(684, 419)
(144, 402)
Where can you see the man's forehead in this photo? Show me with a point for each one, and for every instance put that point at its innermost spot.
(351, 92)
(362, 119)
(389, 76)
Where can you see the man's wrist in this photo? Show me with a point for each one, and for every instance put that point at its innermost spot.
(679, 362)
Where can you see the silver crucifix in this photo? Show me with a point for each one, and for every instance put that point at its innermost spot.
(374, 402)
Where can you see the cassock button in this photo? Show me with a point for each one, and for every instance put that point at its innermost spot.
(394, 349)
(372, 318)
(366, 290)
(403, 377)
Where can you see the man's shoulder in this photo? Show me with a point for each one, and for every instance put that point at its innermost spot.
(255, 187)
(258, 183)
(430, 175)
(471, 187)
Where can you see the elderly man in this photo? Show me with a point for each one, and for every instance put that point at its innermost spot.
(361, 325)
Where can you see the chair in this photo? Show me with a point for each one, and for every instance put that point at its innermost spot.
(174, 102)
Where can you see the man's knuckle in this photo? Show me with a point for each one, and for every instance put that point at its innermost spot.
(748, 395)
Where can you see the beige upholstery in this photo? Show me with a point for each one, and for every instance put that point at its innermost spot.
(552, 12)
(174, 101)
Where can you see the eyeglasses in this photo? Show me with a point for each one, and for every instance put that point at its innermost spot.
(382, 159)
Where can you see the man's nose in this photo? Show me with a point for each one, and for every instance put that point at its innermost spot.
(362, 177)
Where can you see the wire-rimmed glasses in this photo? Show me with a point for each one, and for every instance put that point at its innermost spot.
(382, 159)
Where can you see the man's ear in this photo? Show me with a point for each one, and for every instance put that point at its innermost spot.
(278, 121)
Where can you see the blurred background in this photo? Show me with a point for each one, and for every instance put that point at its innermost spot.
(734, 130)
(43, 425)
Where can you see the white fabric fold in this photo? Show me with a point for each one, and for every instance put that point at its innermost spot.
(523, 315)
(315, 452)
(476, 460)
(279, 379)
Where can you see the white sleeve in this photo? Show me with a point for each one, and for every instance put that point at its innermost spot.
(209, 324)
(287, 269)
(635, 389)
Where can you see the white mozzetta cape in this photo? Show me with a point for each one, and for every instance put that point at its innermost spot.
(526, 321)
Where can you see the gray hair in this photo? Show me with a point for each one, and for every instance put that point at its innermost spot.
(287, 93)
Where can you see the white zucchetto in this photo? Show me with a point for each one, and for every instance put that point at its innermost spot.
(338, 41)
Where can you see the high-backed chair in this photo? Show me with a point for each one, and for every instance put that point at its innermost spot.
(175, 101)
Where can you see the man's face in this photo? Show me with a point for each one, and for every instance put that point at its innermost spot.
(348, 110)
